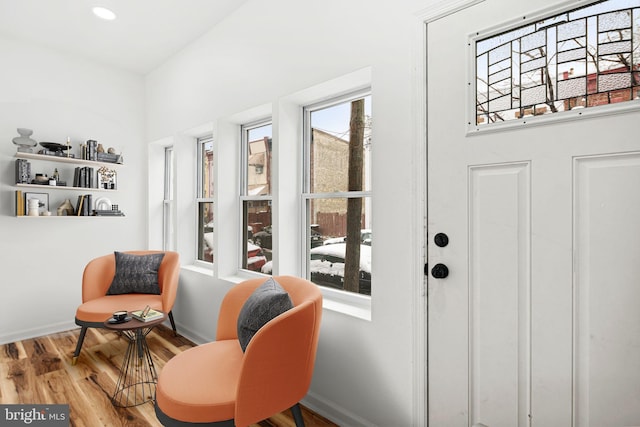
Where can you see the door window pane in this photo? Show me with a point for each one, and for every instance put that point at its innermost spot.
(580, 58)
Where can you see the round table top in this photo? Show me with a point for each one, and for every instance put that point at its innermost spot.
(134, 323)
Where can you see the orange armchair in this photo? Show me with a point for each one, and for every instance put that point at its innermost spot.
(219, 384)
(97, 306)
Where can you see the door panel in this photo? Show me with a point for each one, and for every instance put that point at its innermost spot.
(607, 291)
(499, 284)
(537, 323)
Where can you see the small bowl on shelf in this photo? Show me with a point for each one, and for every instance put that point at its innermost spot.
(54, 146)
(41, 179)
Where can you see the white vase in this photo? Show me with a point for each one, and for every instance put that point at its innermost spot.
(33, 208)
(24, 142)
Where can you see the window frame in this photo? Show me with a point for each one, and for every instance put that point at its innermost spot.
(358, 301)
(168, 202)
(200, 199)
(245, 128)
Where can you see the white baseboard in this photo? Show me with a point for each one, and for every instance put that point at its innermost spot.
(192, 335)
(334, 412)
(26, 334)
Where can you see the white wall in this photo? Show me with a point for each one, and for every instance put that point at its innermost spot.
(42, 259)
(264, 54)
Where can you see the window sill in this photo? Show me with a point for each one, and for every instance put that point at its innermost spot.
(354, 305)
(201, 268)
(350, 304)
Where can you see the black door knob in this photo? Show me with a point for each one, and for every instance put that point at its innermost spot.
(441, 240)
(440, 271)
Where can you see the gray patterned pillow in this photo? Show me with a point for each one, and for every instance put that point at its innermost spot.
(265, 303)
(136, 274)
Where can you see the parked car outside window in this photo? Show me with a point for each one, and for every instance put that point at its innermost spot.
(327, 266)
(255, 257)
(365, 238)
(263, 238)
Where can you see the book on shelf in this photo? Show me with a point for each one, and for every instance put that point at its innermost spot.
(109, 157)
(19, 203)
(84, 177)
(147, 315)
(107, 212)
(83, 206)
(79, 205)
(88, 201)
(23, 171)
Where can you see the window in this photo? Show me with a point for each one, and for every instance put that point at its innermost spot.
(168, 234)
(580, 58)
(338, 193)
(205, 199)
(256, 233)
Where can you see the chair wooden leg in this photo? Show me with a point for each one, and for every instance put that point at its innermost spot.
(76, 353)
(173, 324)
(297, 415)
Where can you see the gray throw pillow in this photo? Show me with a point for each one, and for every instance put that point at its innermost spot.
(265, 303)
(136, 274)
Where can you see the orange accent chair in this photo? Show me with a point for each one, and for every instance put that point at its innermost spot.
(97, 306)
(217, 384)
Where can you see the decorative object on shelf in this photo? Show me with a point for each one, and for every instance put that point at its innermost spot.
(54, 146)
(100, 148)
(33, 207)
(37, 203)
(55, 149)
(25, 144)
(23, 171)
(107, 178)
(103, 204)
(41, 178)
(102, 209)
(66, 208)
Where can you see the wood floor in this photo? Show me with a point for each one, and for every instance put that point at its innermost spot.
(39, 371)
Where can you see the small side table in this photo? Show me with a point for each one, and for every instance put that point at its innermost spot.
(137, 380)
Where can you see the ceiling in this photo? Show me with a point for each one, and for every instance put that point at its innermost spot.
(144, 35)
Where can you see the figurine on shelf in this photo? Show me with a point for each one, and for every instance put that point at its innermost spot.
(66, 208)
(24, 142)
(107, 178)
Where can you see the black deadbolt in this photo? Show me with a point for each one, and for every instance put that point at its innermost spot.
(441, 240)
(440, 271)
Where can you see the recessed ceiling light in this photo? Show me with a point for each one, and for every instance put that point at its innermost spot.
(104, 13)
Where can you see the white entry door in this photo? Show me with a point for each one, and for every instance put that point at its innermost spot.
(538, 320)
